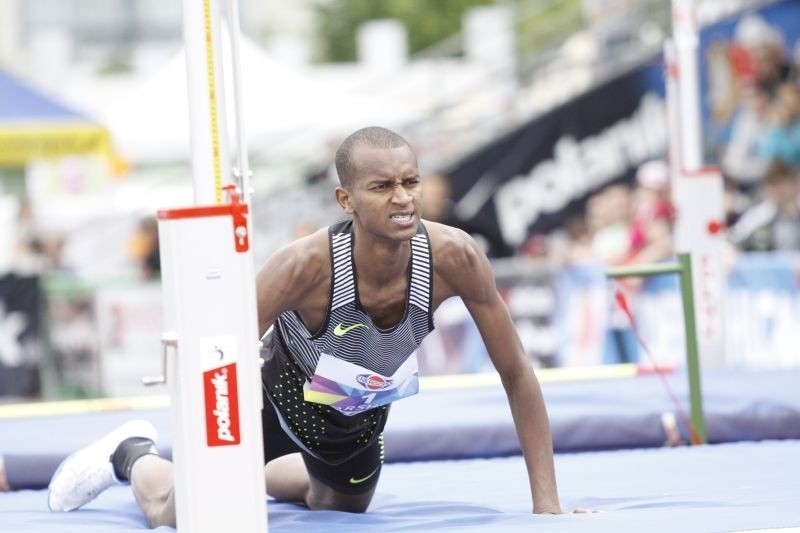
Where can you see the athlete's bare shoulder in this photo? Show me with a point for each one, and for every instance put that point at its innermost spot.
(292, 274)
(448, 243)
(460, 266)
(301, 260)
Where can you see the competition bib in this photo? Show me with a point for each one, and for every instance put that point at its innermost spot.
(352, 389)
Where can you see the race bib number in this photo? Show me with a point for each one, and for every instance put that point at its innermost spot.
(352, 389)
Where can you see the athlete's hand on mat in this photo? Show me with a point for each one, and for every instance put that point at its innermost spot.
(577, 510)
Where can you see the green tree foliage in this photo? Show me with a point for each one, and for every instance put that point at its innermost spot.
(428, 22)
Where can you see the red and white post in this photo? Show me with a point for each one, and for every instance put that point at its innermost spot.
(697, 190)
(211, 360)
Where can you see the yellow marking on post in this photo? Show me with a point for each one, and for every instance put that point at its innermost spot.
(212, 96)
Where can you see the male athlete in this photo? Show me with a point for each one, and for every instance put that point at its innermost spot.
(344, 310)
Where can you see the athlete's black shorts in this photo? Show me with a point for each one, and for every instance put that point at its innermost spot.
(356, 475)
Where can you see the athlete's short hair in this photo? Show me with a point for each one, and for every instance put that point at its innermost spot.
(372, 136)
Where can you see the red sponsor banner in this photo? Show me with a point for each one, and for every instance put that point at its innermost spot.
(222, 406)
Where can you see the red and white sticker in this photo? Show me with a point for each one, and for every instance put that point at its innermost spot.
(220, 390)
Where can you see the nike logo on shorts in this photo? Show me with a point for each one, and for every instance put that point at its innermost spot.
(355, 481)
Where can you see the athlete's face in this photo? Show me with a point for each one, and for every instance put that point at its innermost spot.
(385, 197)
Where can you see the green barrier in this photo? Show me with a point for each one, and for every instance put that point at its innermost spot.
(683, 268)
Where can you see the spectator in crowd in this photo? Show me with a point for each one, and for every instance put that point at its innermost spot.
(741, 160)
(28, 258)
(781, 139)
(37, 250)
(438, 198)
(144, 249)
(735, 201)
(774, 223)
(764, 53)
(608, 214)
(572, 244)
(651, 225)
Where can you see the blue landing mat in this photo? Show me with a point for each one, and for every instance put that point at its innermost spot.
(476, 422)
(725, 487)
(721, 487)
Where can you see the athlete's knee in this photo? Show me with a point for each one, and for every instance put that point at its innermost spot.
(330, 500)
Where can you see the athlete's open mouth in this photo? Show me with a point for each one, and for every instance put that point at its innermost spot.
(402, 217)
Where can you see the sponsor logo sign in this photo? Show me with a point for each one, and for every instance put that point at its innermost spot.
(373, 381)
(220, 390)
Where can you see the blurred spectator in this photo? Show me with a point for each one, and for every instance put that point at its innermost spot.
(608, 215)
(735, 202)
(573, 243)
(774, 223)
(28, 257)
(781, 139)
(52, 244)
(651, 225)
(37, 251)
(741, 160)
(144, 248)
(437, 203)
(764, 53)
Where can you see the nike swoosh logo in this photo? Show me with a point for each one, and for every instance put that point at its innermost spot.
(355, 481)
(339, 330)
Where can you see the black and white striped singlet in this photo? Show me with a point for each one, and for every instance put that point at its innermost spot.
(375, 359)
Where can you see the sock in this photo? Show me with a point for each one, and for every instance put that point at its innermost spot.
(128, 452)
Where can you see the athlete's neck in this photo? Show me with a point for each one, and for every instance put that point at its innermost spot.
(380, 262)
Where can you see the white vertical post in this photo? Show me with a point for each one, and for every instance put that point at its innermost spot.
(238, 106)
(697, 191)
(685, 34)
(212, 369)
(673, 110)
(209, 139)
(211, 334)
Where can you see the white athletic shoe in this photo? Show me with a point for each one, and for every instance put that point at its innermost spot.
(88, 472)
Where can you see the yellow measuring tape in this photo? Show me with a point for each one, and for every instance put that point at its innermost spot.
(212, 96)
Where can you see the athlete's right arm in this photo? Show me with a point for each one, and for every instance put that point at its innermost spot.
(288, 277)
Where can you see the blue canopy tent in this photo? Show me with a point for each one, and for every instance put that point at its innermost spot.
(34, 125)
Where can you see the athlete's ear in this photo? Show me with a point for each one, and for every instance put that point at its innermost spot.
(343, 197)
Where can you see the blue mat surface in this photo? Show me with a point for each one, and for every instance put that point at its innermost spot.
(453, 463)
(476, 422)
(724, 487)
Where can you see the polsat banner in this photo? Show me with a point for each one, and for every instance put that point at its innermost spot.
(532, 179)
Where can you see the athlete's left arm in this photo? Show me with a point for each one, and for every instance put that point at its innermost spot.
(469, 275)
